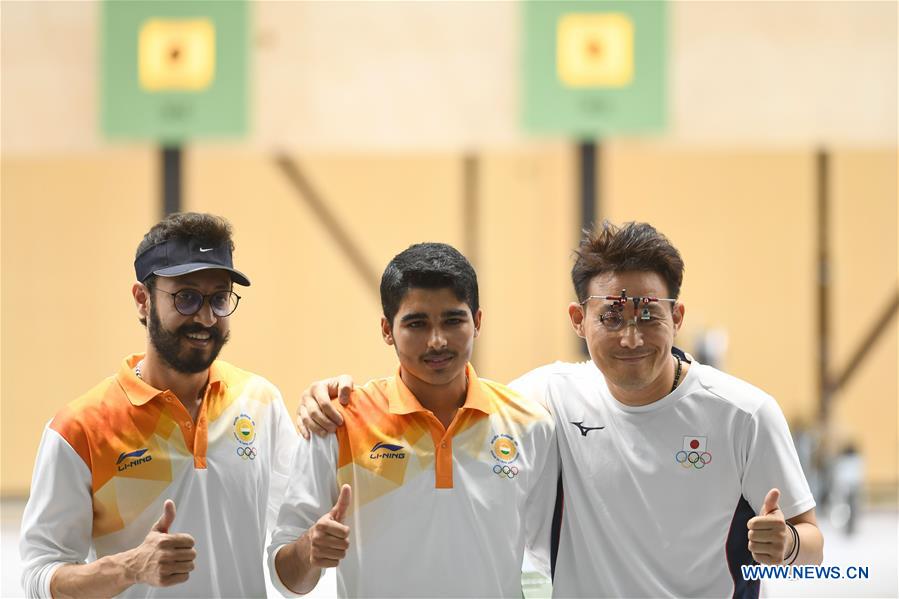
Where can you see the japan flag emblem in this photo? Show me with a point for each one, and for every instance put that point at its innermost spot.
(694, 443)
(695, 453)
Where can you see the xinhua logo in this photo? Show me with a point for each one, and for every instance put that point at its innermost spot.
(136, 458)
(386, 451)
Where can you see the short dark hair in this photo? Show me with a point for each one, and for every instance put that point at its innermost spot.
(208, 229)
(631, 247)
(428, 266)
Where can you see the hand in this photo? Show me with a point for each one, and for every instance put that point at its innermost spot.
(768, 533)
(163, 559)
(329, 537)
(315, 412)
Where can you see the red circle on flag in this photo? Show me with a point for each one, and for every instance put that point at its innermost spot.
(694, 444)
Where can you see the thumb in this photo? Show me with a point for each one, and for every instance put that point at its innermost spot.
(343, 502)
(344, 388)
(167, 517)
(771, 500)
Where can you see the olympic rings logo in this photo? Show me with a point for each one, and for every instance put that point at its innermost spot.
(693, 458)
(247, 453)
(505, 471)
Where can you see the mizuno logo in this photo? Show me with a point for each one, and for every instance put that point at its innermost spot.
(131, 454)
(387, 451)
(206, 249)
(586, 429)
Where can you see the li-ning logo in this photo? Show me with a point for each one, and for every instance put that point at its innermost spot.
(694, 454)
(586, 429)
(138, 458)
(382, 451)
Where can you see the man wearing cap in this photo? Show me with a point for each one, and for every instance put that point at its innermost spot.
(159, 481)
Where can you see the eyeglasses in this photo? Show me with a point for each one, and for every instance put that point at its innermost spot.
(613, 319)
(189, 301)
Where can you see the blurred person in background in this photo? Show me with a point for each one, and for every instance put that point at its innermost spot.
(439, 478)
(847, 478)
(158, 481)
(674, 474)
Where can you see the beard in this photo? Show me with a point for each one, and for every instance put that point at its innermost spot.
(168, 344)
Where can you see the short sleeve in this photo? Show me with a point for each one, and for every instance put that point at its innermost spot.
(540, 503)
(286, 440)
(533, 385)
(311, 492)
(772, 462)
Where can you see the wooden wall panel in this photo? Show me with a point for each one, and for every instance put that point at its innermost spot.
(70, 227)
(743, 221)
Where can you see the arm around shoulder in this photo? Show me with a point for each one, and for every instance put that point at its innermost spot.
(533, 385)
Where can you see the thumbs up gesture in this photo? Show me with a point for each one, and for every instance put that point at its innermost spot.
(167, 517)
(329, 537)
(768, 533)
(163, 559)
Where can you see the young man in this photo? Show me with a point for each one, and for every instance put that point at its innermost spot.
(156, 482)
(438, 477)
(673, 473)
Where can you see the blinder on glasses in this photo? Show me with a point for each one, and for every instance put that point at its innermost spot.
(613, 318)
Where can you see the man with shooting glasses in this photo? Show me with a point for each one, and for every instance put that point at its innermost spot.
(674, 474)
(158, 481)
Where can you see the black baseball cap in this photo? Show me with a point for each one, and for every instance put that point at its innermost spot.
(180, 256)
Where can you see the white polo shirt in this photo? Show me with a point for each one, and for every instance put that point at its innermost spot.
(656, 498)
(108, 461)
(435, 511)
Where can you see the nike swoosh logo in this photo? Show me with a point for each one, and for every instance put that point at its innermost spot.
(586, 429)
(206, 249)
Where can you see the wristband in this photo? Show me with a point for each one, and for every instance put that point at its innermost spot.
(794, 553)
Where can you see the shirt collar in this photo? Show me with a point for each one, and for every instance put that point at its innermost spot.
(403, 401)
(140, 392)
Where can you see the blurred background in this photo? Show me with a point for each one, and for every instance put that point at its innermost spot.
(761, 137)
